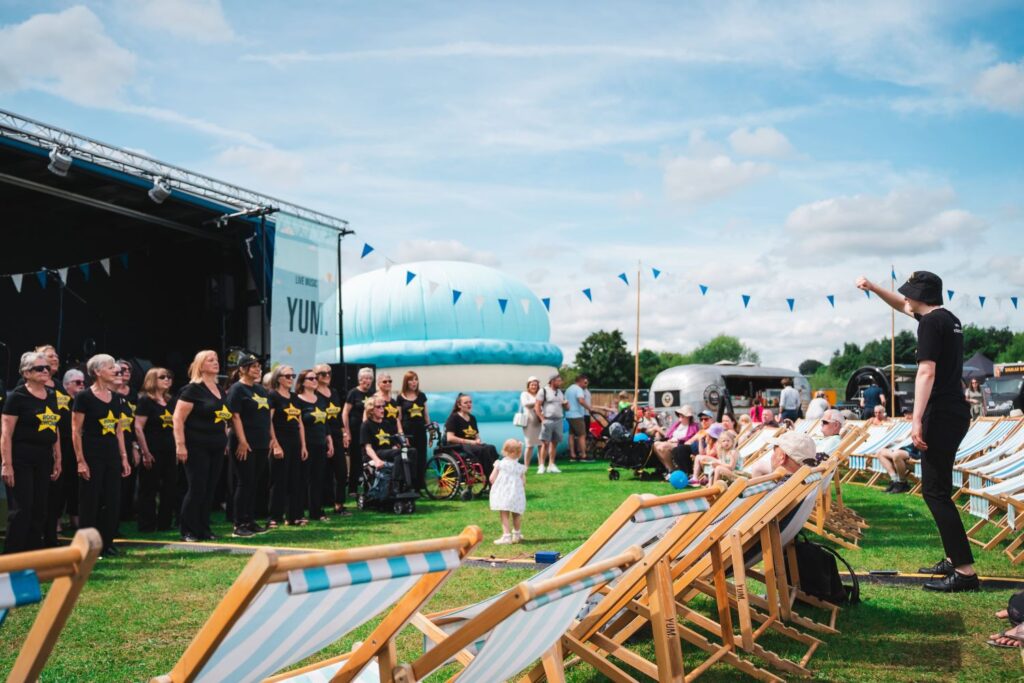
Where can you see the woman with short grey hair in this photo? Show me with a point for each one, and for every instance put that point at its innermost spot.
(356, 403)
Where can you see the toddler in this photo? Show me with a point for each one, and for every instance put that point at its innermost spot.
(508, 492)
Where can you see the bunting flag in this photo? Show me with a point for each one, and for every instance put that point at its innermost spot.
(409, 276)
(388, 265)
(63, 272)
(655, 272)
(106, 265)
(981, 301)
(1013, 300)
(433, 286)
(622, 276)
(16, 279)
(746, 300)
(480, 302)
(503, 303)
(791, 303)
(894, 274)
(586, 293)
(42, 278)
(950, 293)
(547, 303)
(85, 271)
(525, 303)
(703, 290)
(124, 261)
(867, 293)
(455, 296)
(367, 250)
(831, 299)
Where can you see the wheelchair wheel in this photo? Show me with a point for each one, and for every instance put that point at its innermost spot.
(398, 507)
(613, 475)
(442, 479)
(476, 480)
(361, 501)
(410, 507)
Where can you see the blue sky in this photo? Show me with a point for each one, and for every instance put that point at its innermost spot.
(771, 149)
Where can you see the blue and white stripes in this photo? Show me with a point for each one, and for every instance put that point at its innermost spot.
(812, 477)
(677, 509)
(574, 587)
(755, 489)
(17, 589)
(355, 573)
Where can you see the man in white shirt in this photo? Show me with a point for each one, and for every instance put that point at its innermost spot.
(817, 407)
(550, 407)
(789, 401)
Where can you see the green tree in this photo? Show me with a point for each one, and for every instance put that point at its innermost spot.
(724, 347)
(1014, 351)
(650, 365)
(991, 341)
(604, 357)
(810, 366)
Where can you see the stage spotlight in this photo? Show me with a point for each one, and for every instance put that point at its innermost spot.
(160, 190)
(60, 161)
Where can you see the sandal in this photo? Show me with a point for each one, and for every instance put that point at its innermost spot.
(1006, 635)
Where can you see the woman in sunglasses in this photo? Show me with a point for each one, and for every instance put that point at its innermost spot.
(287, 450)
(29, 453)
(317, 441)
(64, 489)
(250, 445)
(99, 450)
(336, 481)
(130, 401)
(392, 411)
(154, 432)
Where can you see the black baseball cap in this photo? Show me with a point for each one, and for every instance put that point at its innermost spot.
(247, 359)
(923, 286)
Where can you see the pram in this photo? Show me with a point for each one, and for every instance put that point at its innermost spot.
(391, 485)
(625, 452)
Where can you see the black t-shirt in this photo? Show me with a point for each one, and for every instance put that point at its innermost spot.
(252, 406)
(332, 406)
(159, 428)
(209, 416)
(286, 415)
(941, 339)
(314, 419)
(129, 402)
(379, 435)
(413, 412)
(358, 399)
(392, 411)
(37, 417)
(100, 423)
(64, 426)
(457, 425)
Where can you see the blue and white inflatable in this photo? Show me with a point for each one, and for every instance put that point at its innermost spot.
(460, 327)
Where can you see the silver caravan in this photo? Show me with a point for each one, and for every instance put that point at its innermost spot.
(701, 386)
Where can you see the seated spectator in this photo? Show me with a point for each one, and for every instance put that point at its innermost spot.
(745, 424)
(832, 423)
(898, 462)
(681, 431)
(878, 417)
(682, 454)
(817, 407)
(461, 430)
(768, 419)
(649, 425)
(625, 400)
(792, 450)
(728, 422)
(722, 462)
(1013, 637)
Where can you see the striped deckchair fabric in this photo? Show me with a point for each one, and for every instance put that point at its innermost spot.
(21, 578)
(1002, 462)
(982, 435)
(667, 510)
(282, 610)
(878, 437)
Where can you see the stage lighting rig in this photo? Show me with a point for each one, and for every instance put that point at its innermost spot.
(60, 161)
(160, 191)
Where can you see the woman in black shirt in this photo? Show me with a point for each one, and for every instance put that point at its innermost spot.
(63, 495)
(460, 430)
(352, 413)
(250, 444)
(392, 411)
(30, 453)
(415, 419)
(288, 449)
(130, 401)
(99, 450)
(336, 481)
(154, 432)
(201, 419)
(317, 440)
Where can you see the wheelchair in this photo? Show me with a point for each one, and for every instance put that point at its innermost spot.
(389, 487)
(450, 472)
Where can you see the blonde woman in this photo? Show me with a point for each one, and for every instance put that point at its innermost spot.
(415, 418)
(531, 432)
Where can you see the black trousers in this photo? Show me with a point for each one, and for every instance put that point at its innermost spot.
(128, 484)
(355, 461)
(484, 453)
(336, 481)
(63, 493)
(99, 498)
(27, 499)
(313, 469)
(245, 475)
(418, 439)
(202, 470)
(287, 493)
(159, 480)
(943, 432)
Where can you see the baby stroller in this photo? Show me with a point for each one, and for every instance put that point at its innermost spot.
(391, 485)
(624, 452)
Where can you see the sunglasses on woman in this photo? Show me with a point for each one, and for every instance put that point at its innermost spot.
(287, 376)
(164, 377)
(40, 368)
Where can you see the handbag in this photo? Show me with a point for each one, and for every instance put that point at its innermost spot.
(520, 419)
(819, 573)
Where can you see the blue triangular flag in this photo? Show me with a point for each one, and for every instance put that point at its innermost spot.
(409, 276)
(1013, 300)
(655, 272)
(790, 302)
(586, 293)
(950, 293)
(124, 261)
(366, 250)
(84, 267)
(622, 276)
(831, 299)
(703, 289)
(981, 300)
(42, 278)
(867, 293)
(455, 296)
(503, 303)
(746, 300)
(894, 274)
(547, 303)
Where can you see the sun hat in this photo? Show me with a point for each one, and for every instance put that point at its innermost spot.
(837, 416)
(685, 411)
(532, 378)
(798, 447)
(715, 431)
(923, 286)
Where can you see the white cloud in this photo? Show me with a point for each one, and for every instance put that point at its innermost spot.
(199, 20)
(68, 54)
(1002, 87)
(765, 141)
(443, 250)
(693, 180)
(905, 222)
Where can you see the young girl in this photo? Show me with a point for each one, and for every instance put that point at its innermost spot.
(508, 491)
(729, 458)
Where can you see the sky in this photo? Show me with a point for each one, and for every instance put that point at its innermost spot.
(776, 150)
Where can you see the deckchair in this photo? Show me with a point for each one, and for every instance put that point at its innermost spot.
(757, 444)
(984, 433)
(281, 610)
(997, 460)
(1015, 513)
(878, 437)
(21, 575)
(805, 426)
(989, 505)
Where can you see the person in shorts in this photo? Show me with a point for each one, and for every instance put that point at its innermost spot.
(550, 407)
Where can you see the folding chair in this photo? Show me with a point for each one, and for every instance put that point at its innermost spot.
(1002, 462)
(979, 437)
(21, 574)
(282, 610)
(989, 504)
(878, 437)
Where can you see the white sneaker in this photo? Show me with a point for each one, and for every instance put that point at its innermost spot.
(540, 469)
(517, 537)
(553, 469)
(506, 539)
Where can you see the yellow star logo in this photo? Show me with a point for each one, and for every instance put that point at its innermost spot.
(319, 416)
(108, 423)
(333, 411)
(293, 413)
(383, 438)
(132, 406)
(222, 415)
(63, 400)
(48, 420)
(415, 410)
(391, 411)
(469, 433)
(126, 422)
(167, 420)
(261, 402)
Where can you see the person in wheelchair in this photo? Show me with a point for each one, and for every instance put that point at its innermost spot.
(383, 445)
(461, 431)
(379, 437)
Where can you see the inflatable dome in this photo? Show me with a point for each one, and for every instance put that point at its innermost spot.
(460, 326)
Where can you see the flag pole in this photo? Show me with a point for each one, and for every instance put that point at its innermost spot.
(892, 346)
(636, 357)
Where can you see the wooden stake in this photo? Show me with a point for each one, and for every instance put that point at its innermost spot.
(636, 359)
(892, 347)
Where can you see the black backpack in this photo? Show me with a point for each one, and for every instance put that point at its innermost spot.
(819, 573)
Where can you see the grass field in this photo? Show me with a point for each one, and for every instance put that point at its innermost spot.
(139, 611)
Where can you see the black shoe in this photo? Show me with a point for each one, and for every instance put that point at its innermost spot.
(943, 568)
(890, 487)
(208, 537)
(111, 551)
(189, 538)
(243, 532)
(343, 513)
(257, 528)
(901, 487)
(954, 582)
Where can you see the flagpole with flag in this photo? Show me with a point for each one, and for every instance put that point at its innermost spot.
(892, 347)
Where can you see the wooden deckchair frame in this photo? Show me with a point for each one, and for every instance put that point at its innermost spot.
(266, 567)
(67, 569)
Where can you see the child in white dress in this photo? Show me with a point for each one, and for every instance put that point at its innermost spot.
(508, 492)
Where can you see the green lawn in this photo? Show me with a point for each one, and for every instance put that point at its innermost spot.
(139, 611)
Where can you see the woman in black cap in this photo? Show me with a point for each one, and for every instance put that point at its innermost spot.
(288, 450)
(250, 444)
(940, 420)
(154, 432)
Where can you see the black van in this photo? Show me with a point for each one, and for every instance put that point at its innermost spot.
(1005, 392)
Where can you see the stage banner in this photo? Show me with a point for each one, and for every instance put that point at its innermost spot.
(304, 303)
